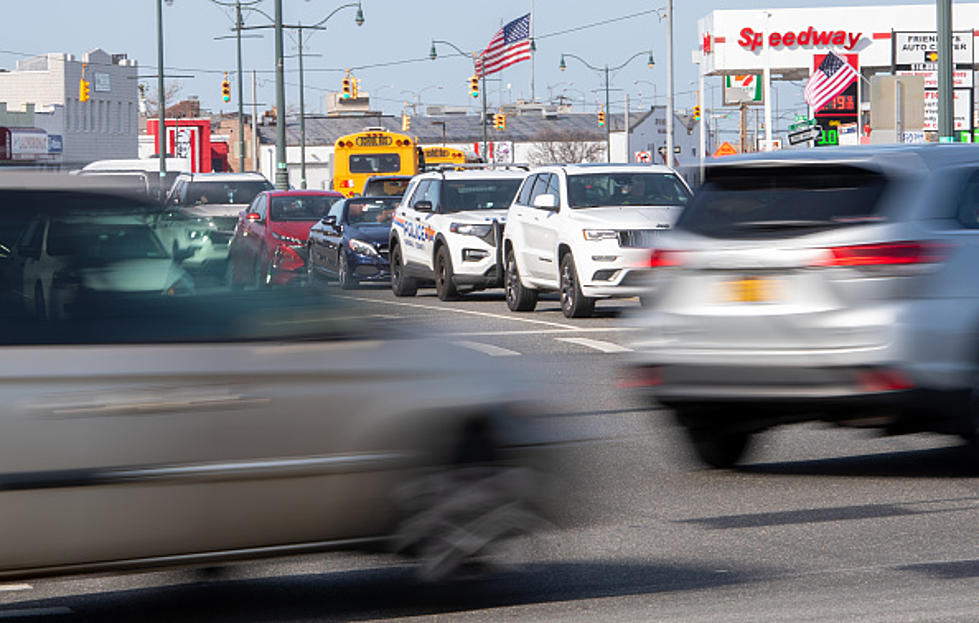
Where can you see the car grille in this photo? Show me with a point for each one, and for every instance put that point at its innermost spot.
(220, 237)
(225, 223)
(639, 238)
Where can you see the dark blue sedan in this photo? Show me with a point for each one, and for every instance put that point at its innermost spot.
(350, 244)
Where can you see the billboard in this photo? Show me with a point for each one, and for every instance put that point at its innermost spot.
(743, 89)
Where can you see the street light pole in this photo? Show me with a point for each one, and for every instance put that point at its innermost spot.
(608, 129)
(946, 117)
(433, 54)
(669, 83)
(302, 116)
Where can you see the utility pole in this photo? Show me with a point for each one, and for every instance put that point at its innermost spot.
(241, 106)
(669, 83)
(946, 118)
(255, 142)
(608, 122)
(302, 117)
(161, 129)
(281, 171)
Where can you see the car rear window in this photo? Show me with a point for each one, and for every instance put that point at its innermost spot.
(783, 201)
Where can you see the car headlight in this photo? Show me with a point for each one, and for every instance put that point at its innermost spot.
(288, 239)
(471, 230)
(363, 248)
(599, 234)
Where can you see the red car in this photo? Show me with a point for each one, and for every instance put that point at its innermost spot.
(269, 244)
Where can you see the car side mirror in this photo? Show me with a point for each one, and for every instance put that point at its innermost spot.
(423, 206)
(329, 220)
(545, 202)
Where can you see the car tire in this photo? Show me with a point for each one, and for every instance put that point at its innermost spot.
(345, 278)
(401, 284)
(716, 446)
(573, 303)
(519, 298)
(444, 288)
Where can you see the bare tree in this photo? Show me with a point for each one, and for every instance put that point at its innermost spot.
(150, 98)
(568, 146)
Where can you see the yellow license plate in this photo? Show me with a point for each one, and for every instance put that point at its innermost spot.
(751, 290)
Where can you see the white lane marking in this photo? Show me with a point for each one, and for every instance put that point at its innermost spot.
(462, 311)
(24, 613)
(9, 588)
(605, 347)
(538, 331)
(488, 349)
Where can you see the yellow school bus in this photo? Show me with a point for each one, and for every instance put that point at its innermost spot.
(443, 155)
(375, 151)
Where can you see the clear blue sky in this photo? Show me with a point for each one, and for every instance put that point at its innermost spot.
(396, 32)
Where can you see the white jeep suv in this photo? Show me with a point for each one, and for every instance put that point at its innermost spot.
(586, 231)
(447, 230)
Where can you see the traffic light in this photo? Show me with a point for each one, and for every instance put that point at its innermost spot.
(84, 88)
(354, 87)
(696, 113)
(601, 118)
(346, 88)
(474, 86)
(225, 89)
(499, 121)
(405, 122)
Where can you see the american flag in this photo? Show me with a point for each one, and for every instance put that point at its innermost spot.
(832, 76)
(510, 44)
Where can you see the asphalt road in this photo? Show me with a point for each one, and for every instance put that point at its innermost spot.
(818, 524)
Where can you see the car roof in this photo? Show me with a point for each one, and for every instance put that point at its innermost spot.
(300, 193)
(603, 167)
(225, 176)
(929, 155)
(480, 174)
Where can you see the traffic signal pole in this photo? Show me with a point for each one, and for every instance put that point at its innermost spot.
(241, 109)
(608, 124)
(485, 119)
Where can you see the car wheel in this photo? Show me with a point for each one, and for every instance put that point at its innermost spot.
(716, 446)
(345, 279)
(444, 287)
(401, 284)
(518, 297)
(573, 303)
(462, 516)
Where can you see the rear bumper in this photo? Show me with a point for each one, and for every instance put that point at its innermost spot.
(755, 398)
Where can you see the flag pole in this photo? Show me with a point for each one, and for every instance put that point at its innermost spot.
(533, 52)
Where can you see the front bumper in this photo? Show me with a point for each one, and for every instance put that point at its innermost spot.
(368, 268)
(606, 270)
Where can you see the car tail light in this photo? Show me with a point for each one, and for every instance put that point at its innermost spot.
(661, 258)
(886, 254)
(286, 258)
(873, 381)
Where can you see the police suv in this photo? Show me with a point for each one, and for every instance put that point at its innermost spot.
(447, 229)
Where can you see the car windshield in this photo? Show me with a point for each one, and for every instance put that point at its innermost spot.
(103, 239)
(484, 194)
(390, 187)
(224, 192)
(300, 207)
(626, 189)
(762, 202)
(371, 211)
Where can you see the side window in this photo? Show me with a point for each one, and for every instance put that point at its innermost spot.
(523, 198)
(419, 194)
(967, 210)
(433, 194)
(256, 203)
(540, 187)
(336, 209)
(263, 206)
(554, 187)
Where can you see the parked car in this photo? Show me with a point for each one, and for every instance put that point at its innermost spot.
(144, 431)
(585, 231)
(386, 185)
(350, 244)
(832, 285)
(269, 243)
(201, 213)
(446, 231)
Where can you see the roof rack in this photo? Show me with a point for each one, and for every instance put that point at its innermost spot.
(448, 166)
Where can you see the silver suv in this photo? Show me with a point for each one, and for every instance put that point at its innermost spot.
(835, 285)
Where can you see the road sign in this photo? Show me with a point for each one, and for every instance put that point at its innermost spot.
(662, 149)
(802, 123)
(726, 149)
(802, 136)
(644, 157)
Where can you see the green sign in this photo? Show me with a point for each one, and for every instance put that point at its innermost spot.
(828, 138)
(802, 123)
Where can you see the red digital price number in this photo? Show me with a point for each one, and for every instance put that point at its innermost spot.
(840, 103)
